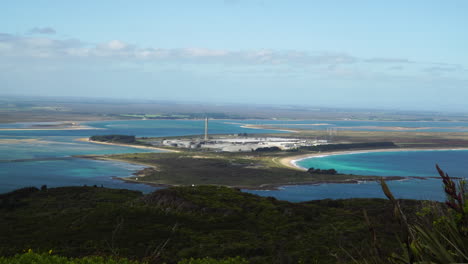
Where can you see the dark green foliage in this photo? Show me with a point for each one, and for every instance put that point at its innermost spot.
(320, 171)
(47, 258)
(228, 169)
(268, 149)
(14, 199)
(236, 260)
(367, 145)
(437, 235)
(190, 222)
(114, 138)
(35, 258)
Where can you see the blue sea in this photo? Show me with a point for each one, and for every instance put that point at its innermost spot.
(37, 157)
(419, 126)
(45, 157)
(398, 163)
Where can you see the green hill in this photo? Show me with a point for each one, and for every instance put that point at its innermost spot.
(183, 222)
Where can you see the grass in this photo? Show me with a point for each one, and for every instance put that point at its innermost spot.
(45, 258)
(48, 258)
(242, 170)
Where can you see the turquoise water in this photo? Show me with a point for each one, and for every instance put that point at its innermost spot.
(405, 163)
(66, 172)
(37, 157)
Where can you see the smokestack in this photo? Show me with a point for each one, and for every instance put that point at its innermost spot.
(206, 128)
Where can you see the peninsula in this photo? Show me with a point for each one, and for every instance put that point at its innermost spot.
(186, 161)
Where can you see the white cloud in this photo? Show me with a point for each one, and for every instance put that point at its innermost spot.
(21, 46)
(116, 45)
(41, 47)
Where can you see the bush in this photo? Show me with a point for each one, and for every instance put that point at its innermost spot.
(320, 171)
(365, 145)
(236, 260)
(267, 149)
(44, 258)
(440, 235)
(114, 138)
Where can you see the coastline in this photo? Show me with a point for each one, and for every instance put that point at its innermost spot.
(291, 161)
(127, 179)
(124, 145)
(138, 177)
(52, 128)
(266, 128)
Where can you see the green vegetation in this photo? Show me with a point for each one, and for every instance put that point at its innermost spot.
(243, 170)
(268, 149)
(365, 145)
(320, 171)
(219, 225)
(191, 222)
(236, 260)
(439, 233)
(31, 257)
(114, 138)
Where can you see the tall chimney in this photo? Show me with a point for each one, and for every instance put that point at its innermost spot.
(206, 129)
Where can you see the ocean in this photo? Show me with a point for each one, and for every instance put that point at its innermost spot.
(417, 126)
(398, 163)
(44, 157)
(38, 157)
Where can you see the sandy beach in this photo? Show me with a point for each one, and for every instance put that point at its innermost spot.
(125, 145)
(290, 162)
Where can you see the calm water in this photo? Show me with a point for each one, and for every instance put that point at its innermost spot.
(37, 157)
(403, 163)
(410, 163)
(430, 189)
(367, 125)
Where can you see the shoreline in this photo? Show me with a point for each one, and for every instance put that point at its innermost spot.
(266, 128)
(291, 161)
(126, 179)
(124, 145)
(140, 179)
(53, 128)
(137, 178)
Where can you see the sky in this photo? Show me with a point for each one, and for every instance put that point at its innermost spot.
(407, 55)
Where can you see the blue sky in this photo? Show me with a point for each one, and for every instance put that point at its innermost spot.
(386, 54)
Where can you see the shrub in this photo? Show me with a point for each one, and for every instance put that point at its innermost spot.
(438, 236)
(236, 260)
(45, 258)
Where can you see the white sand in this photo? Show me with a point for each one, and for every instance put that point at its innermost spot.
(291, 162)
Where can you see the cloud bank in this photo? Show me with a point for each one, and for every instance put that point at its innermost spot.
(42, 47)
(45, 47)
